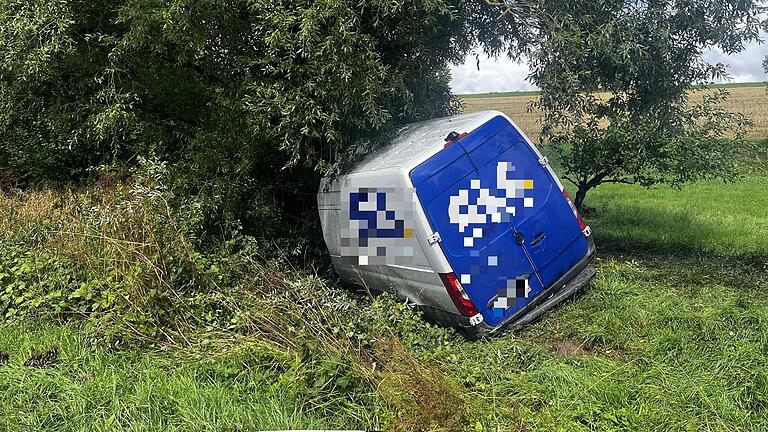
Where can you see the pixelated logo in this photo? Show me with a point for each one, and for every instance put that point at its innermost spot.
(472, 209)
(507, 296)
(380, 228)
(491, 204)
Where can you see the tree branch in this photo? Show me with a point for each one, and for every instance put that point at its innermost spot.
(570, 180)
(622, 181)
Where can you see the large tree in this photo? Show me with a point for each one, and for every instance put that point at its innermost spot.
(247, 98)
(619, 83)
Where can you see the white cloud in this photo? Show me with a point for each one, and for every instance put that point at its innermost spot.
(500, 75)
(746, 66)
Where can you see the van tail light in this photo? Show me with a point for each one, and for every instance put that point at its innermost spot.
(458, 295)
(575, 211)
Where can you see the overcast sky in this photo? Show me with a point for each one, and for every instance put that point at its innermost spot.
(508, 75)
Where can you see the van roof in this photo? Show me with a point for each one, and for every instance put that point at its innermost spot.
(419, 141)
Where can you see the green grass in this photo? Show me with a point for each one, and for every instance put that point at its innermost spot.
(704, 218)
(671, 335)
(660, 346)
(94, 388)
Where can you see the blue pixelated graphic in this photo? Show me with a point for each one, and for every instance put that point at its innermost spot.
(376, 229)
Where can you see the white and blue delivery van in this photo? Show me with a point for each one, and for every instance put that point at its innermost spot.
(463, 217)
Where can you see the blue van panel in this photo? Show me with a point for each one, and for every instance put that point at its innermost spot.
(493, 258)
(484, 133)
(482, 192)
(441, 175)
(549, 227)
(437, 163)
(562, 245)
(489, 150)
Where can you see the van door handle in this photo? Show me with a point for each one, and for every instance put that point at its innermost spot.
(538, 239)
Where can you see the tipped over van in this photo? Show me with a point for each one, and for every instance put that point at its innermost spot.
(463, 217)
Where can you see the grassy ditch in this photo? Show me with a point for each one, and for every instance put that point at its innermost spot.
(155, 332)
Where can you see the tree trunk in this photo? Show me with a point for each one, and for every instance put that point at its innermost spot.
(585, 186)
(580, 195)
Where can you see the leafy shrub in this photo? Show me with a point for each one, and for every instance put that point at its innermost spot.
(128, 256)
(247, 100)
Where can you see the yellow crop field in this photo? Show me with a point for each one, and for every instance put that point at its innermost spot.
(751, 101)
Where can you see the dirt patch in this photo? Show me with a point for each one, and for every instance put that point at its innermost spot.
(567, 347)
(613, 353)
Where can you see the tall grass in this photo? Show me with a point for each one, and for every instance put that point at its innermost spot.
(158, 331)
(125, 256)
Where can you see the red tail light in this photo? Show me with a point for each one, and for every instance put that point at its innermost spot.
(582, 225)
(457, 138)
(458, 295)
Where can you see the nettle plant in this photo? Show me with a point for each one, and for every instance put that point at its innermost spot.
(623, 89)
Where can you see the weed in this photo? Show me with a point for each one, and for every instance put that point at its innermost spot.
(422, 398)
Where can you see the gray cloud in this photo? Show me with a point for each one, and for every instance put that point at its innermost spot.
(500, 75)
(746, 66)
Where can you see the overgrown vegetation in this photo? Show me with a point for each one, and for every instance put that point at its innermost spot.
(673, 326)
(248, 101)
(118, 254)
(160, 268)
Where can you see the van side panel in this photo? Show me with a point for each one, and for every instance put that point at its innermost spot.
(408, 271)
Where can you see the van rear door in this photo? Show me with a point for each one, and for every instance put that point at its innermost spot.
(505, 226)
(543, 219)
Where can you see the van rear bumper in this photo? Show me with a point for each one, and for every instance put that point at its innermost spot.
(567, 286)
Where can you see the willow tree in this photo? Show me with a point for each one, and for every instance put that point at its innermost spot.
(247, 100)
(250, 99)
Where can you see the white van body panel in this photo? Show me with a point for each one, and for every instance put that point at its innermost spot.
(418, 281)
